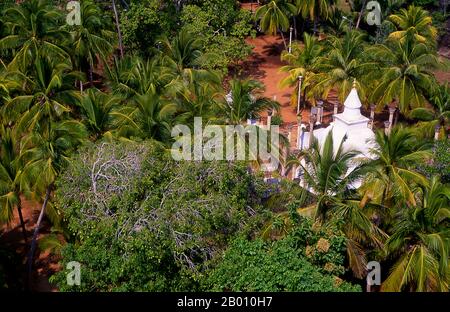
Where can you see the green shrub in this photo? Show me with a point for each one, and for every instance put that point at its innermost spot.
(263, 266)
(145, 22)
(145, 222)
(440, 163)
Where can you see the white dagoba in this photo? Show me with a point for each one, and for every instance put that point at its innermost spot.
(350, 123)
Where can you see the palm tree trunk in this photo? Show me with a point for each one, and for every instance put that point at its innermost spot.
(22, 223)
(36, 232)
(315, 27)
(119, 33)
(284, 40)
(361, 13)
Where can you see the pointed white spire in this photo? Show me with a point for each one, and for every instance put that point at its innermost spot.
(352, 105)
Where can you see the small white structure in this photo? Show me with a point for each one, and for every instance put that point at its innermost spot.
(352, 124)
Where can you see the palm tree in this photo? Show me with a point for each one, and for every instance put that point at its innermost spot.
(302, 62)
(392, 179)
(199, 99)
(11, 82)
(275, 17)
(330, 173)
(44, 155)
(184, 56)
(91, 39)
(438, 116)
(34, 32)
(11, 178)
(420, 243)
(414, 24)
(341, 64)
(148, 116)
(314, 9)
(326, 173)
(49, 95)
(185, 50)
(405, 75)
(133, 76)
(119, 32)
(97, 112)
(245, 101)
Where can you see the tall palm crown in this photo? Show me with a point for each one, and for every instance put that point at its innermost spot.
(97, 112)
(185, 50)
(314, 8)
(392, 178)
(133, 76)
(326, 173)
(341, 64)
(33, 29)
(46, 153)
(413, 23)
(13, 182)
(302, 62)
(406, 74)
(49, 94)
(185, 57)
(438, 115)
(92, 38)
(274, 16)
(420, 243)
(149, 116)
(245, 101)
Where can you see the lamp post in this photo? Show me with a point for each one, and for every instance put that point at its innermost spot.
(289, 136)
(372, 116)
(372, 111)
(319, 111)
(299, 130)
(299, 95)
(391, 117)
(269, 118)
(312, 119)
(335, 109)
(290, 40)
(387, 127)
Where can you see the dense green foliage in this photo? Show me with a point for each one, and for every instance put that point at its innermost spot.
(439, 165)
(309, 258)
(278, 266)
(86, 113)
(162, 221)
(220, 25)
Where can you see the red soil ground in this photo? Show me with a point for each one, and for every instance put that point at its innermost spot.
(11, 237)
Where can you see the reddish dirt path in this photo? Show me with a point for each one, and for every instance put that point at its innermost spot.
(264, 65)
(11, 238)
